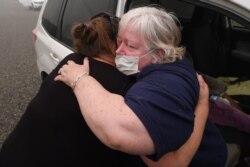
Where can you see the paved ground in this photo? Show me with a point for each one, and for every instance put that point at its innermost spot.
(19, 78)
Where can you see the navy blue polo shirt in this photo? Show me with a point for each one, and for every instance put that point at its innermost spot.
(164, 98)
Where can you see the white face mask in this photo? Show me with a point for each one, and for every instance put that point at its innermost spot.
(128, 65)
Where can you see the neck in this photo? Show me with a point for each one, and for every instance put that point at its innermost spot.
(106, 58)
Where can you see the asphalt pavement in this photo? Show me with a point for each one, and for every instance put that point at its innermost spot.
(19, 78)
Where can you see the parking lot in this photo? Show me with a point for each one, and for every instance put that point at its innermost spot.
(19, 78)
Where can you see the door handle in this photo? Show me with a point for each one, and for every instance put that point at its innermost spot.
(54, 57)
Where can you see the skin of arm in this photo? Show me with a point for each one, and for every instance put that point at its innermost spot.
(183, 156)
(120, 129)
(124, 128)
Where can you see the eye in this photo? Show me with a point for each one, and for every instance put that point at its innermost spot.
(131, 46)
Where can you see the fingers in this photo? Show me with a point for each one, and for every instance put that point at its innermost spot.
(204, 91)
(59, 71)
(70, 62)
(58, 78)
(200, 79)
(69, 71)
(63, 71)
(202, 82)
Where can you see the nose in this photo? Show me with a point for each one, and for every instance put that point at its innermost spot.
(120, 49)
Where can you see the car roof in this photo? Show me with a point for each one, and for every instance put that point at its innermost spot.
(239, 10)
(238, 7)
(242, 3)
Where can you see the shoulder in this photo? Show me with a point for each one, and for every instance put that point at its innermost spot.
(171, 74)
(77, 58)
(110, 78)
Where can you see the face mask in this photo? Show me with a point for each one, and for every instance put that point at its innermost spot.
(128, 65)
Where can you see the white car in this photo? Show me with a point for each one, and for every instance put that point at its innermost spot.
(32, 4)
(25, 3)
(216, 34)
(36, 4)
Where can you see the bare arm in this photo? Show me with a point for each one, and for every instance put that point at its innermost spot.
(115, 124)
(128, 133)
(183, 156)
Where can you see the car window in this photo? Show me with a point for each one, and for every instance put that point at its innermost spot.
(79, 10)
(181, 9)
(236, 25)
(51, 16)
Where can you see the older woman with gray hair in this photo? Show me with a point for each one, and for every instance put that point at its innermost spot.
(157, 114)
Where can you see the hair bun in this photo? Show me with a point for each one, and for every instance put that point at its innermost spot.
(78, 30)
(85, 33)
(89, 35)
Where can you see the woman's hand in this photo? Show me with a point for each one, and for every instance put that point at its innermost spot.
(70, 72)
(203, 96)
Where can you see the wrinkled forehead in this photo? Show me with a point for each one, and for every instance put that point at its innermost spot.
(133, 33)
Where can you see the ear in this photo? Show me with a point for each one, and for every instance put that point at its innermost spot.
(159, 54)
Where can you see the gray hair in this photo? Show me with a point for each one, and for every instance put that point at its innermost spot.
(159, 30)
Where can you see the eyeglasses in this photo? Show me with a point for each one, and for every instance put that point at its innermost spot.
(113, 20)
